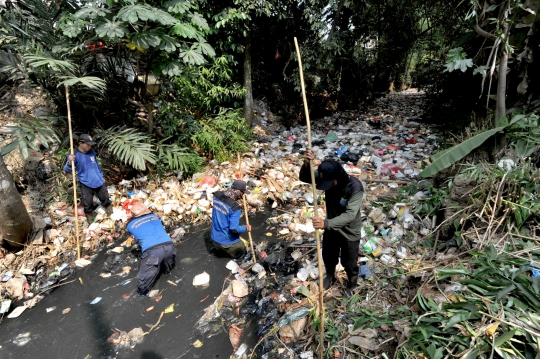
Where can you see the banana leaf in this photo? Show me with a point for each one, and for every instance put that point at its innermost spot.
(454, 154)
(448, 157)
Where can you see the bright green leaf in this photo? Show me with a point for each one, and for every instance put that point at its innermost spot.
(200, 21)
(111, 30)
(192, 57)
(177, 6)
(91, 12)
(184, 30)
(205, 48)
(146, 40)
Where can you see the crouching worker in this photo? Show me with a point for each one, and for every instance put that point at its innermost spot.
(158, 252)
(226, 228)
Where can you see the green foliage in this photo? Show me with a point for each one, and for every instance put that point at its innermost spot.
(173, 157)
(496, 286)
(129, 146)
(424, 206)
(224, 135)
(524, 134)
(136, 149)
(457, 60)
(448, 157)
(28, 133)
(196, 115)
(518, 189)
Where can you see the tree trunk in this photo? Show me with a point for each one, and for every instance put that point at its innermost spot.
(248, 102)
(501, 84)
(500, 109)
(15, 222)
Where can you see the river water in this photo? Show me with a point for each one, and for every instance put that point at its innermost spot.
(82, 333)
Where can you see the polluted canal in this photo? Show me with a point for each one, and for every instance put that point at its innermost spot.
(66, 324)
(266, 308)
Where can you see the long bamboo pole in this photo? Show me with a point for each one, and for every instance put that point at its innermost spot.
(249, 233)
(74, 178)
(315, 207)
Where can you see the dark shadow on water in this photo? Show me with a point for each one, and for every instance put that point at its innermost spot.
(100, 329)
(150, 355)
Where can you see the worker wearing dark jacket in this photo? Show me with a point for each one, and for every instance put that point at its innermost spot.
(226, 228)
(158, 252)
(343, 223)
(90, 176)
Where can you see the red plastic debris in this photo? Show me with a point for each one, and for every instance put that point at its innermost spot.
(410, 141)
(208, 180)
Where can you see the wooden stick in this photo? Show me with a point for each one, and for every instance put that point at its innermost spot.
(239, 173)
(368, 180)
(73, 175)
(315, 207)
(249, 233)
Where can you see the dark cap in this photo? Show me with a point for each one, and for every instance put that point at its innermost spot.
(86, 139)
(241, 186)
(328, 173)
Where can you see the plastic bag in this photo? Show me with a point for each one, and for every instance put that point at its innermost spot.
(389, 169)
(210, 181)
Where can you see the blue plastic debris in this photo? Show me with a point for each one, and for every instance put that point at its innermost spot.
(342, 150)
(96, 300)
(365, 272)
(131, 194)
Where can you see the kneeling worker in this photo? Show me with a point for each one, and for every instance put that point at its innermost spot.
(226, 228)
(158, 252)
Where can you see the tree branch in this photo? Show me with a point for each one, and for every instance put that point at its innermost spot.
(484, 33)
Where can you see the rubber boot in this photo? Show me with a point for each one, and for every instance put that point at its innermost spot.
(329, 280)
(90, 216)
(109, 210)
(353, 282)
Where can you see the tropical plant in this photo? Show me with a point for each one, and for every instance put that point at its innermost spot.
(492, 310)
(223, 135)
(448, 157)
(27, 133)
(138, 149)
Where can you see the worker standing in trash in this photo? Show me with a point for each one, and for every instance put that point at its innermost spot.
(343, 223)
(90, 177)
(226, 228)
(158, 252)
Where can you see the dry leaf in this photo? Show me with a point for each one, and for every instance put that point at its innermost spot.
(490, 331)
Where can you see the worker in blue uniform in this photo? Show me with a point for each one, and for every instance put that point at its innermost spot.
(90, 176)
(158, 252)
(226, 228)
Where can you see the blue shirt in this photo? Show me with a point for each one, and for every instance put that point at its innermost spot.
(148, 230)
(88, 169)
(226, 228)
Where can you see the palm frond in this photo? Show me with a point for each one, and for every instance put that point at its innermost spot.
(27, 134)
(175, 157)
(55, 64)
(13, 65)
(130, 146)
(92, 82)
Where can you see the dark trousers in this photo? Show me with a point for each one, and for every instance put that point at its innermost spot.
(87, 195)
(154, 261)
(235, 251)
(334, 245)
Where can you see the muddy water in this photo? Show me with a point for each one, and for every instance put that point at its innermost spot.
(83, 332)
